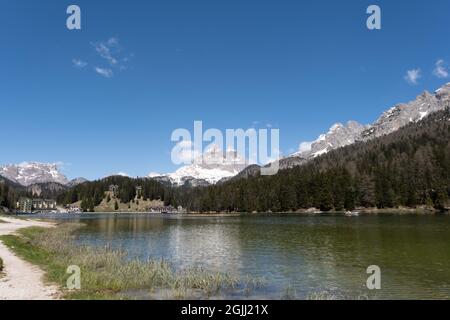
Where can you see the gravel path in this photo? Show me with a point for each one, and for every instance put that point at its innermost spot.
(22, 280)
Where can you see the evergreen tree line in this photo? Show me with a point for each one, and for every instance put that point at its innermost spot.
(8, 196)
(10, 193)
(409, 167)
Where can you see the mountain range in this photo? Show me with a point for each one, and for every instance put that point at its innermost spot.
(32, 173)
(390, 121)
(209, 168)
(217, 166)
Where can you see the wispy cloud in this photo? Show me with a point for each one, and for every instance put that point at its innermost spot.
(412, 76)
(79, 63)
(154, 174)
(62, 165)
(112, 57)
(305, 146)
(112, 52)
(105, 49)
(107, 73)
(123, 174)
(440, 70)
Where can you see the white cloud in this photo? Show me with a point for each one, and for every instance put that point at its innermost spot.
(62, 165)
(412, 76)
(440, 70)
(111, 51)
(120, 173)
(305, 146)
(123, 174)
(79, 63)
(112, 42)
(107, 73)
(154, 174)
(105, 50)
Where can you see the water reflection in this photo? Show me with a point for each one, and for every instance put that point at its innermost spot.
(310, 254)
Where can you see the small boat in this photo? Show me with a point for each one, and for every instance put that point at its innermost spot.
(352, 214)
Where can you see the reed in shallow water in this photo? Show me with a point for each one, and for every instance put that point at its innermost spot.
(108, 273)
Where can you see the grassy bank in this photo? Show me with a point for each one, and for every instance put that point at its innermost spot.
(107, 273)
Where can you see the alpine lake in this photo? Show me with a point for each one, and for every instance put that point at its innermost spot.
(294, 256)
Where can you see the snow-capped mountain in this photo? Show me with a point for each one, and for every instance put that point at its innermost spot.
(28, 173)
(76, 181)
(31, 173)
(342, 135)
(403, 114)
(213, 166)
(393, 119)
(338, 136)
(216, 165)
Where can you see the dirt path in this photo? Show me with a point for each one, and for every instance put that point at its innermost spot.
(22, 280)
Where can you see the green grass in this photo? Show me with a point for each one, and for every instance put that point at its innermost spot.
(108, 274)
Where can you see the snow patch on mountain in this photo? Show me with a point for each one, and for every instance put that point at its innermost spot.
(391, 120)
(338, 136)
(211, 167)
(28, 173)
(402, 114)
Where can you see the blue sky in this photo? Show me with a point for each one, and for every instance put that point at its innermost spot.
(299, 66)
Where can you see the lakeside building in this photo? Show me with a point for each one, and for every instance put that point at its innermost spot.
(44, 204)
(28, 205)
(73, 209)
(24, 205)
(166, 209)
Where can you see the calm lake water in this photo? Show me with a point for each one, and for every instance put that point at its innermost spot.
(299, 255)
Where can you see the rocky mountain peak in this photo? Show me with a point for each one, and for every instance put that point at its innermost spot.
(28, 173)
(213, 165)
(338, 136)
(443, 93)
(391, 120)
(405, 113)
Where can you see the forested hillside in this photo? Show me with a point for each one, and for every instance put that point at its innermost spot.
(91, 193)
(409, 167)
(10, 193)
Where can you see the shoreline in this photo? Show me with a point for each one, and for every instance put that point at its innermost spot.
(423, 211)
(108, 274)
(314, 211)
